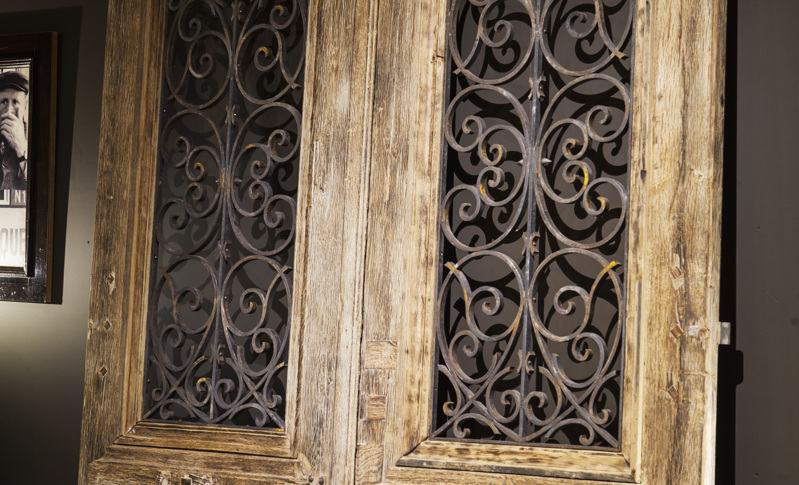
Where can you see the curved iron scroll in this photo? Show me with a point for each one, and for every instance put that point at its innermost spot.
(533, 222)
(224, 233)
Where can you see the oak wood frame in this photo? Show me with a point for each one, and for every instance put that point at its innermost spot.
(362, 315)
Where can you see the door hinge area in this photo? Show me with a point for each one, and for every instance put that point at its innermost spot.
(725, 333)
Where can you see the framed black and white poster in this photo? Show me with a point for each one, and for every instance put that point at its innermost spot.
(27, 151)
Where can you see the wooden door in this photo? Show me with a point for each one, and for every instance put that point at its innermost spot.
(359, 399)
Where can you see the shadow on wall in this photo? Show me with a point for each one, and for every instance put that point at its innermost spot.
(730, 359)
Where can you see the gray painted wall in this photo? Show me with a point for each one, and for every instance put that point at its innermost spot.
(767, 236)
(42, 347)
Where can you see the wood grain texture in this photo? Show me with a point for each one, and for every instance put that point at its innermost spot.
(188, 437)
(135, 465)
(117, 216)
(520, 460)
(682, 70)
(400, 259)
(361, 348)
(373, 407)
(669, 403)
(380, 354)
(331, 233)
(369, 463)
(434, 476)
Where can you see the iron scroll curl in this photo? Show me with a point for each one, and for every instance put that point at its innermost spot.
(221, 292)
(533, 222)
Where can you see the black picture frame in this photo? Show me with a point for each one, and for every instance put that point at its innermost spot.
(28, 278)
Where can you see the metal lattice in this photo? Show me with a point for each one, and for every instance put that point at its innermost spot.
(220, 301)
(533, 222)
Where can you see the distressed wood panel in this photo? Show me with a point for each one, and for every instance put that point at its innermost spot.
(135, 465)
(131, 51)
(683, 72)
(400, 262)
(373, 407)
(187, 437)
(380, 354)
(520, 460)
(369, 463)
(331, 233)
(667, 432)
(432, 476)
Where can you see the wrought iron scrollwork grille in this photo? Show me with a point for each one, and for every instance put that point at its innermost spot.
(529, 337)
(221, 279)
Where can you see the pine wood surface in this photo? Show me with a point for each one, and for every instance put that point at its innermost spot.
(116, 281)
(330, 233)
(364, 305)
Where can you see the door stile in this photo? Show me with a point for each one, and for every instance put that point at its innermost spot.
(318, 445)
(331, 233)
(130, 90)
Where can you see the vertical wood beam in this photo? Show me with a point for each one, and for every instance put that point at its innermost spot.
(681, 116)
(130, 91)
(399, 291)
(329, 258)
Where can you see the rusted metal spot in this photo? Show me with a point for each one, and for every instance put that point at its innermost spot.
(725, 329)
(102, 371)
(107, 325)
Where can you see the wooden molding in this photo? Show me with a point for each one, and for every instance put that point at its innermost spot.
(669, 380)
(362, 336)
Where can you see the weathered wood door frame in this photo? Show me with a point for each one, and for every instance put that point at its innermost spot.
(365, 282)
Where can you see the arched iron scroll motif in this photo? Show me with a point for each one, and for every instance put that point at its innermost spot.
(220, 300)
(529, 336)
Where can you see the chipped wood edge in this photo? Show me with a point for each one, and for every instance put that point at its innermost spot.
(130, 465)
(131, 78)
(330, 240)
(109, 315)
(649, 461)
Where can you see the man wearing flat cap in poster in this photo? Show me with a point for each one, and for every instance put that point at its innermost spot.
(14, 130)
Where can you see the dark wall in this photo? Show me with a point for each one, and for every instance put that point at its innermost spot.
(767, 231)
(42, 347)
